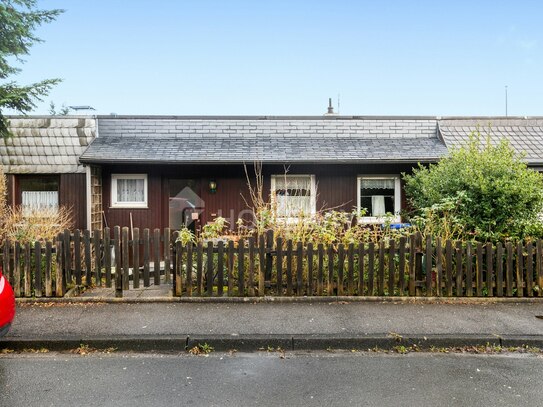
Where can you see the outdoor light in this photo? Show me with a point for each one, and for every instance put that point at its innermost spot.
(212, 186)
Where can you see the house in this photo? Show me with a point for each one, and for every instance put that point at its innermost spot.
(165, 171)
(158, 171)
(41, 162)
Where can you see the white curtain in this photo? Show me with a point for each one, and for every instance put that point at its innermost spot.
(36, 200)
(130, 190)
(378, 205)
(377, 183)
(293, 195)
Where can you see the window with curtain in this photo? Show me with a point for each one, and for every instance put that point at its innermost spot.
(378, 195)
(129, 190)
(294, 195)
(39, 193)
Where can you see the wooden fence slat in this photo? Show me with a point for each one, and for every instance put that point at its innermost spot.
(97, 257)
(189, 270)
(5, 255)
(490, 269)
(371, 268)
(167, 256)
(509, 270)
(48, 268)
(361, 269)
(381, 273)
(262, 265)
(412, 276)
(209, 269)
(28, 270)
(520, 269)
(391, 266)
(16, 266)
(269, 257)
(310, 277)
(77, 257)
(156, 252)
(67, 255)
(146, 257)
(107, 257)
(241, 267)
(220, 268)
(178, 267)
(125, 257)
(499, 270)
(350, 269)
(529, 269)
(479, 270)
(341, 264)
(299, 268)
(136, 257)
(419, 255)
(539, 267)
(439, 267)
(230, 268)
(449, 267)
(459, 269)
(320, 268)
(330, 279)
(289, 267)
(37, 270)
(469, 270)
(401, 266)
(279, 265)
(88, 260)
(251, 271)
(200, 268)
(59, 279)
(429, 274)
(118, 265)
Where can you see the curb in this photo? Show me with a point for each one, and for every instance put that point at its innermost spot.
(284, 300)
(252, 343)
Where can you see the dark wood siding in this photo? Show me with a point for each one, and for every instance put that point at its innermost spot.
(336, 188)
(73, 194)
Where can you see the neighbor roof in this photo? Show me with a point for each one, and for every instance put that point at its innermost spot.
(46, 145)
(524, 134)
(175, 140)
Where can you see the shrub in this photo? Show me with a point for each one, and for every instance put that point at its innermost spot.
(478, 192)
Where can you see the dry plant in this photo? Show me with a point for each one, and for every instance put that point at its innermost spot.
(3, 199)
(35, 225)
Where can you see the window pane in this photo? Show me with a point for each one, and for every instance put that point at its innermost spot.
(130, 190)
(39, 200)
(293, 195)
(377, 196)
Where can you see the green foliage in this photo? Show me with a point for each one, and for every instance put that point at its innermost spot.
(478, 192)
(18, 21)
(186, 236)
(215, 229)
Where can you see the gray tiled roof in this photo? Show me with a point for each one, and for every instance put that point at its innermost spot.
(46, 144)
(524, 135)
(287, 139)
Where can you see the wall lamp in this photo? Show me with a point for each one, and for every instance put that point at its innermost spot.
(212, 186)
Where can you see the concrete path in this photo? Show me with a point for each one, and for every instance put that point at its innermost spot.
(248, 325)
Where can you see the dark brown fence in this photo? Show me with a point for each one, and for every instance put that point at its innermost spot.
(407, 266)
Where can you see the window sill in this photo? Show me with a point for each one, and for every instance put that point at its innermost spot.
(378, 220)
(129, 206)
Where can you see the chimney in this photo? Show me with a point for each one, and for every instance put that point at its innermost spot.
(330, 108)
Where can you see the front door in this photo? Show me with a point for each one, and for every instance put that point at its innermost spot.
(185, 204)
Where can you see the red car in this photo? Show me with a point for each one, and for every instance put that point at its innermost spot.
(7, 305)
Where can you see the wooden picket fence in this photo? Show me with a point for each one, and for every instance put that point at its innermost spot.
(408, 266)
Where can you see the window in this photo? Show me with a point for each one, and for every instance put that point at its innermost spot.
(379, 195)
(294, 195)
(129, 190)
(39, 194)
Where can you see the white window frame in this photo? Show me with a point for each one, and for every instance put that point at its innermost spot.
(397, 198)
(117, 204)
(312, 197)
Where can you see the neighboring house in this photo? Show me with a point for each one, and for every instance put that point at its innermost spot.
(165, 171)
(158, 171)
(41, 161)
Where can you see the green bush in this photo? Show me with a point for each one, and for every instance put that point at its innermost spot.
(478, 192)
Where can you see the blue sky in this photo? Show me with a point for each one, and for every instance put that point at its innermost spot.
(287, 57)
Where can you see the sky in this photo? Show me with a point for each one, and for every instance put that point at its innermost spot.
(278, 57)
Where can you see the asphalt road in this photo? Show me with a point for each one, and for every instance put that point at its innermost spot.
(266, 378)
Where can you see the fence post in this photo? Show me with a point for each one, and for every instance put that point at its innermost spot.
(299, 268)
(118, 269)
(61, 276)
(401, 265)
(310, 278)
(125, 258)
(262, 265)
(241, 268)
(418, 263)
(146, 257)
(251, 274)
(157, 257)
(220, 268)
(96, 238)
(136, 258)
(167, 258)
(28, 271)
(48, 256)
(341, 265)
(489, 269)
(439, 267)
(279, 265)
(37, 272)
(391, 266)
(88, 261)
(77, 257)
